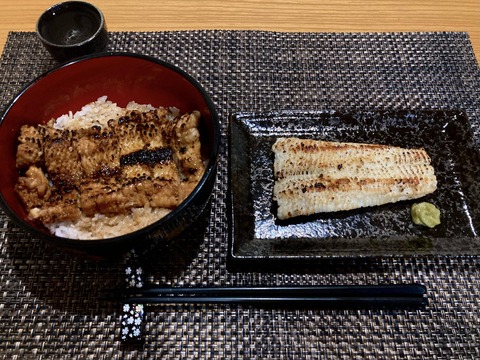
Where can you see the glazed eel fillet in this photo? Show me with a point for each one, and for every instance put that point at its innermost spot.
(313, 176)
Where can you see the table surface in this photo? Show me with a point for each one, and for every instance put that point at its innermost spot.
(51, 302)
(278, 15)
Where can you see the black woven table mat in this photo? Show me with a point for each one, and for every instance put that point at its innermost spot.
(51, 302)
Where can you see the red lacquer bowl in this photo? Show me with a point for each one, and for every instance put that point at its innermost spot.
(123, 77)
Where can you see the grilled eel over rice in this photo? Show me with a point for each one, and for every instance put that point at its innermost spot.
(141, 159)
(314, 176)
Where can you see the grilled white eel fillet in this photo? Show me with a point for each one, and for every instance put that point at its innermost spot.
(313, 176)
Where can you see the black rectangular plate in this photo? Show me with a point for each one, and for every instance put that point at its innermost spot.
(385, 230)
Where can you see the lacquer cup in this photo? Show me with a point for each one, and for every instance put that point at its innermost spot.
(71, 29)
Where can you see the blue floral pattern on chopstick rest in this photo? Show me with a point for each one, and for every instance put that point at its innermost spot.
(132, 322)
(133, 315)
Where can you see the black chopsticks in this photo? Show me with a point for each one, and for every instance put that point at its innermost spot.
(335, 296)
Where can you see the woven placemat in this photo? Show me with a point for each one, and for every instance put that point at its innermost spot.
(51, 302)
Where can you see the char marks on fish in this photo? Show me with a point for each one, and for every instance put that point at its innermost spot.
(313, 176)
(140, 159)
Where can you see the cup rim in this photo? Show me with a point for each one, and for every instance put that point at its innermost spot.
(61, 5)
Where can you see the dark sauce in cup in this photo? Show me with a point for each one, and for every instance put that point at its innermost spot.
(70, 26)
(71, 29)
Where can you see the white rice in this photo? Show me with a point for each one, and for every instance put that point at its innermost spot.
(96, 113)
(101, 226)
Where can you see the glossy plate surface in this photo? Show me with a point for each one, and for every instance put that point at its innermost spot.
(369, 232)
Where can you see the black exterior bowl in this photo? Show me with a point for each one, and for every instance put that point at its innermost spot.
(123, 77)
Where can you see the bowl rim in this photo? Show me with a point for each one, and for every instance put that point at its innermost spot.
(52, 8)
(210, 170)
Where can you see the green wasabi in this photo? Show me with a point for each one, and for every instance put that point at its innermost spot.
(426, 214)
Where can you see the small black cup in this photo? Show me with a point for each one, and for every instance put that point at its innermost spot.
(71, 29)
